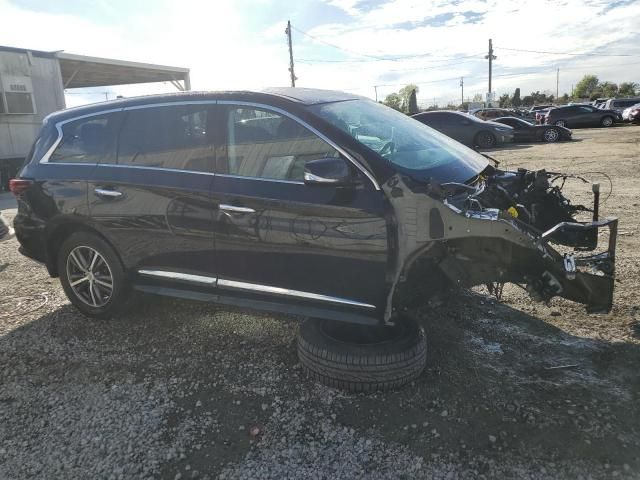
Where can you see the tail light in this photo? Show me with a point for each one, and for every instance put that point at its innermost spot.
(19, 185)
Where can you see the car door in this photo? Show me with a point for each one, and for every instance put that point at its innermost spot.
(277, 237)
(153, 201)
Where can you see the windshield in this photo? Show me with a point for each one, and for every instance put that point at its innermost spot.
(415, 149)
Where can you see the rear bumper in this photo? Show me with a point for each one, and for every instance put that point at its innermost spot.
(30, 235)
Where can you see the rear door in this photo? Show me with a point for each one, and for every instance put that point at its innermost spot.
(153, 201)
(278, 238)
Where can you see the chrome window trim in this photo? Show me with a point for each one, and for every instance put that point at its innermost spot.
(261, 179)
(253, 287)
(45, 158)
(179, 276)
(58, 125)
(308, 127)
(143, 167)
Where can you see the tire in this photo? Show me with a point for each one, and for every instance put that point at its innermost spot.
(361, 358)
(560, 123)
(551, 135)
(607, 121)
(91, 295)
(485, 140)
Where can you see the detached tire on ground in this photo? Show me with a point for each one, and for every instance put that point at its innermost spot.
(361, 358)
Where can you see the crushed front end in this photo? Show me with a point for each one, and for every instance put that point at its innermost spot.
(500, 227)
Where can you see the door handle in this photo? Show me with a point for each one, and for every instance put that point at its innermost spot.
(102, 192)
(233, 209)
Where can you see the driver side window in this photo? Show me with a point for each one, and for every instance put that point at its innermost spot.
(264, 144)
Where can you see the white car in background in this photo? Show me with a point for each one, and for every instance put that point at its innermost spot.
(631, 113)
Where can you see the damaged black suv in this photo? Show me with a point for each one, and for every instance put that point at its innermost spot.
(308, 202)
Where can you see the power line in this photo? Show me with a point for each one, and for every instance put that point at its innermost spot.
(318, 39)
(568, 53)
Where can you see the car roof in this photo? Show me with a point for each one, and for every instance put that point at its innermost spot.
(301, 96)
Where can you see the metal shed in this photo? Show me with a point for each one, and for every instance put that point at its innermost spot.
(32, 85)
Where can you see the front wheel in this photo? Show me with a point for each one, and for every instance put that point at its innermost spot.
(485, 140)
(92, 275)
(606, 121)
(360, 358)
(551, 135)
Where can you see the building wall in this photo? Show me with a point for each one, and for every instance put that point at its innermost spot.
(17, 132)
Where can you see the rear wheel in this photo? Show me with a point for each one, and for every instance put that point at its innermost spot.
(606, 121)
(92, 275)
(560, 123)
(485, 140)
(551, 135)
(361, 358)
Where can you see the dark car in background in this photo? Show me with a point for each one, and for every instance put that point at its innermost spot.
(307, 202)
(491, 113)
(467, 129)
(524, 131)
(581, 116)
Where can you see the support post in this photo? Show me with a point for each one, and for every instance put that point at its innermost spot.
(291, 71)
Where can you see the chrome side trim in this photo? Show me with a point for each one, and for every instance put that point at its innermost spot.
(179, 276)
(233, 285)
(308, 127)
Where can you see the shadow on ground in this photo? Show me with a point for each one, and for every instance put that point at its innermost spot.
(504, 394)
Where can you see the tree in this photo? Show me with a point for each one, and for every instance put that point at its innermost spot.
(477, 97)
(586, 87)
(413, 103)
(564, 98)
(394, 101)
(609, 89)
(515, 100)
(504, 100)
(627, 89)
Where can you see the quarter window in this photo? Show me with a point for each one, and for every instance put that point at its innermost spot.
(263, 144)
(176, 137)
(88, 140)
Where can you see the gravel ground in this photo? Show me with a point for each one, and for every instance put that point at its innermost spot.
(178, 390)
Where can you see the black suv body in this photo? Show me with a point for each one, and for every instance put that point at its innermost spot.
(301, 201)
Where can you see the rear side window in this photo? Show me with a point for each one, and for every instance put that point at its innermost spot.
(88, 140)
(175, 137)
(264, 144)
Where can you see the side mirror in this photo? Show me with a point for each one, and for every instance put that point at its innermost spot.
(328, 171)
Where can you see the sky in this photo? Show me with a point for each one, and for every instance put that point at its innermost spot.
(366, 47)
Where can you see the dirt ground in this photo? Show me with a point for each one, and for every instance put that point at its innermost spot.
(187, 390)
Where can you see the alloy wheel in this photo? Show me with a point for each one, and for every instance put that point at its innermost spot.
(607, 121)
(561, 123)
(89, 276)
(551, 135)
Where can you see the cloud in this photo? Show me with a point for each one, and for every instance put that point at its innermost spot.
(240, 44)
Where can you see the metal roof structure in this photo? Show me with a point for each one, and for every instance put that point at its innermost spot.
(81, 71)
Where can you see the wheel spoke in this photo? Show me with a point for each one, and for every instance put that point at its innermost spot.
(93, 296)
(93, 260)
(77, 262)
(77, 282)
(103, 284)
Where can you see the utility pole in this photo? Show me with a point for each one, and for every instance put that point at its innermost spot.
(491, 57)
(288, 33)
(557, 83)
(375, 87)
(462, 92)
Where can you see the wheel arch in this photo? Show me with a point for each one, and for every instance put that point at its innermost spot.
(58, 234)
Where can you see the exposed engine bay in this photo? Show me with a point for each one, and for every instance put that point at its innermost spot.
(506, 226)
